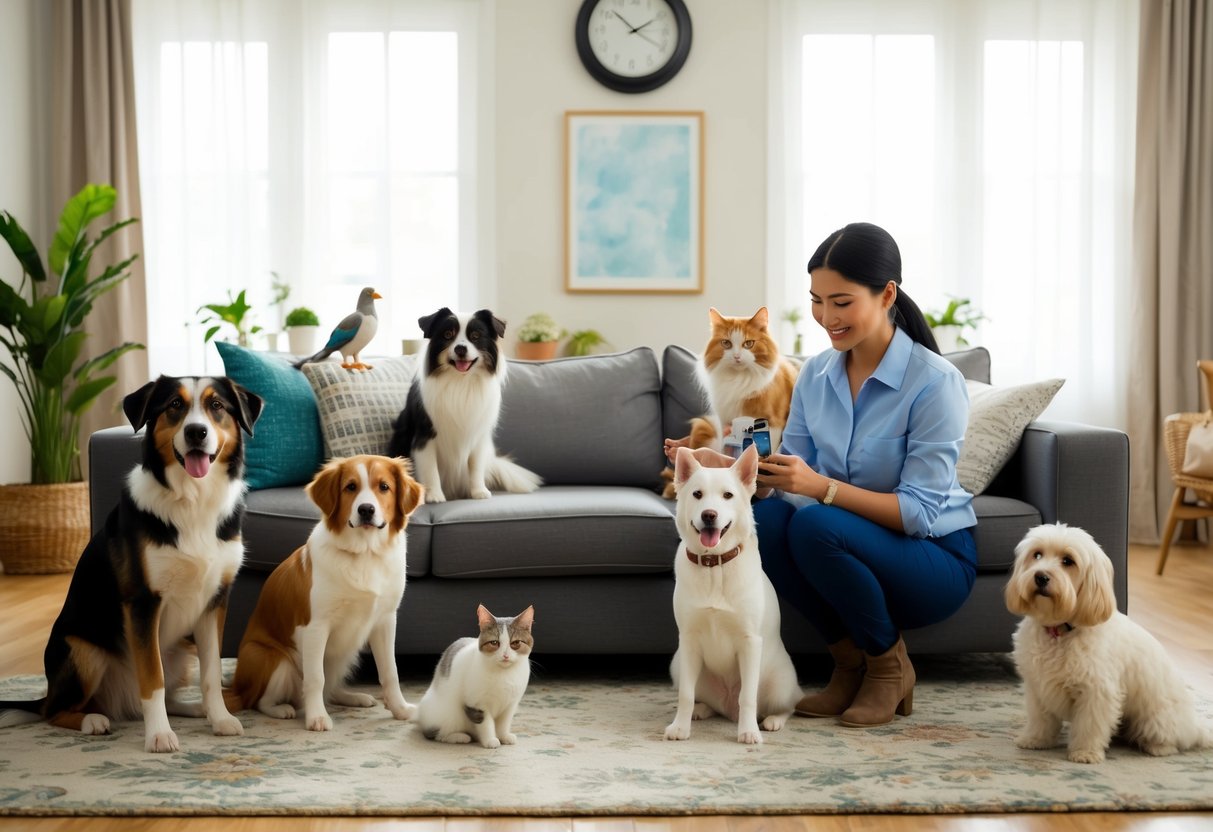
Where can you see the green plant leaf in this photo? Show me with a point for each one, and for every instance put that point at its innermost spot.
(91, 202)
(60, 359)
(210, 333)
(49, 309)
(86, 393)
(23, 248)
(13, 307)
(104, 360)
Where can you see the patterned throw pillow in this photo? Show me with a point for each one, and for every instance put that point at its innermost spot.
(285, 448)
(997, 418)
(357, 408)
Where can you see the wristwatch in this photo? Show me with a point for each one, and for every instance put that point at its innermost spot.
(831, 491)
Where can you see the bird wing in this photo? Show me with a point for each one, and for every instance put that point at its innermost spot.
(344, 331)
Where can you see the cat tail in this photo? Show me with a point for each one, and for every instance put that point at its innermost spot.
(20, 713)
(505, 474)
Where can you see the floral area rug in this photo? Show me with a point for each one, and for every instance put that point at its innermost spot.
(590, 743)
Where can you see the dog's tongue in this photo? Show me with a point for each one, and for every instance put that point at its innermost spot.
(197, 463)
(709, 537)
(463, 366)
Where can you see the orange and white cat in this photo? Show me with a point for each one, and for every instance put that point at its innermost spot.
(744, 374)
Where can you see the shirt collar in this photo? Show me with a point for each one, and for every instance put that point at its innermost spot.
(891, 371)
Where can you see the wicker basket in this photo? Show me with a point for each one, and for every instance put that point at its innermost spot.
(43, 528)
(1175, 436)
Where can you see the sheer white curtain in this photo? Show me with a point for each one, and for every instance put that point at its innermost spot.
(332, 144)
(994, 140)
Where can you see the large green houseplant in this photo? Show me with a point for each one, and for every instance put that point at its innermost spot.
(42, 319)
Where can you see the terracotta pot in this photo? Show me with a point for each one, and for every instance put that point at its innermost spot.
(537, 350)
(43, 528)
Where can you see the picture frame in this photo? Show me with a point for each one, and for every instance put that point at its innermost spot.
(633, 201)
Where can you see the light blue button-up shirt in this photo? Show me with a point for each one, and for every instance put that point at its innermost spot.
(902, 434)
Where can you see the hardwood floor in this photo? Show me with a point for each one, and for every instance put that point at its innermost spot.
(1177, 607)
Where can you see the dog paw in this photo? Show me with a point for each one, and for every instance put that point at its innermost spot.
(434, 496)
(161, 743)
(749, 737)
(95, 724)
(354, 700)
(674, 731)
(403, 711)
(702, 711)
(458, 738)
(1034, 742)
(283, 711)
(481, 493)
(227, 726)
(1085, 755)
(774, 723)
(491, 742)
(1159, 749)
(322, 722)
(508, 739)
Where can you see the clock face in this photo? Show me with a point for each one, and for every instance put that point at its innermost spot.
(633, 45)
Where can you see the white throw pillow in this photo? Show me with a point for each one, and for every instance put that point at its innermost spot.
(997, 418)
(357, 407)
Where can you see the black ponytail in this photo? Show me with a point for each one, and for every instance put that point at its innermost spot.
(867, 254)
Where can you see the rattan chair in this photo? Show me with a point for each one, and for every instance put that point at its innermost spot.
(1175, 438)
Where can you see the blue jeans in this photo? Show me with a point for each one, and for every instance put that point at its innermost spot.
(852, 577)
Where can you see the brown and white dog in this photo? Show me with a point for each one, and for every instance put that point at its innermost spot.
(331, 596)
(159, 571)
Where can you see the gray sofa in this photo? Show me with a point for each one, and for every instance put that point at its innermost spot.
(593, 549)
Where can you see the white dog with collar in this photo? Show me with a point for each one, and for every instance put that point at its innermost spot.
(730, 659)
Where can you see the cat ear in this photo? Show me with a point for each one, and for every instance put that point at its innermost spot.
(761, 318)
(715, 317)
(485, 617)
(525, 618)
(685, 464)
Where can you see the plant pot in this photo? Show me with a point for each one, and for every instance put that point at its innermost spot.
(302, 339)
(947, 337)
(43, 528)
(537, 350)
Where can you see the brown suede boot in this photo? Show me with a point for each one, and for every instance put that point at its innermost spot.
(844, 682)
(888, 688)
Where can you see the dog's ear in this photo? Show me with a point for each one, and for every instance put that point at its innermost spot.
(1012, 594)
(1096, 601)
(134, 405)
(747, 469)
(408, 493)
(430, 323)
(685, 465)
(248, 406)
(325, 491)
(492, 321)
(761, 318)
(485, 618)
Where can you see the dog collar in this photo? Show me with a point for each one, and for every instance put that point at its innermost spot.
(1059, 631)
(713, 560)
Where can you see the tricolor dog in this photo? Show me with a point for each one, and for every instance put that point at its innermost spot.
(730, 659)
(451, 412)
(335, 593)
(158, 572)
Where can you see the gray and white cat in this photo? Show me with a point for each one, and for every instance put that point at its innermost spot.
(479, 682)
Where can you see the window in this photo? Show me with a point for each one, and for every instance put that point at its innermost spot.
(332, 146)
(994, 141)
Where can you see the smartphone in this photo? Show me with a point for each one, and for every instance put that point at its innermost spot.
(762, 438)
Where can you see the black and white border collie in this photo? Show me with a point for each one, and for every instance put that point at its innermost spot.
(450, 415)
(158, 572)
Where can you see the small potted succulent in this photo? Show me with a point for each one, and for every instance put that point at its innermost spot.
(538, 337)
(301, 325)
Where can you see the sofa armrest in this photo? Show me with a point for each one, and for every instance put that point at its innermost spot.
(1079, 475)
(112, 452)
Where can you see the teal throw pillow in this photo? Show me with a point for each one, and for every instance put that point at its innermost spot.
(286, 447)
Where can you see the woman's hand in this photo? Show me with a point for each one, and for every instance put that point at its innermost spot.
(791, 475)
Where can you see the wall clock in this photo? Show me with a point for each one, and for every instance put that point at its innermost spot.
(633, 45)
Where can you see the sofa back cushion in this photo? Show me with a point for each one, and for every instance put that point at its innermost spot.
(587, 420)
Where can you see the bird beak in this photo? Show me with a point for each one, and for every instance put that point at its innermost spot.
(376, 296)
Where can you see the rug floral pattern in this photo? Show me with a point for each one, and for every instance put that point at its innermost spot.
(594, 746)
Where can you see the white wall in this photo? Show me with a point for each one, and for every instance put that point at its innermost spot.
(539, 77)
(22, 131)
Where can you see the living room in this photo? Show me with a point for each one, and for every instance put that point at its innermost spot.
(1083, 313)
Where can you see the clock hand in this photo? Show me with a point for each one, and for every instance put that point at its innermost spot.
(631, 29)
(646, 37)
(641, 26)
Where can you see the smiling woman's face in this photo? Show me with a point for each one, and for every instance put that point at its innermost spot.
(849, 312)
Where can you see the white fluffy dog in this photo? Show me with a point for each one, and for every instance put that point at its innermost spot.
(730, 658)
(1086, 663)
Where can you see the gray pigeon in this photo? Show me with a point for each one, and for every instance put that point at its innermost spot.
(351, 335)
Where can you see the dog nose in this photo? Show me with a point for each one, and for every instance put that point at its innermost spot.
(461, 350)
(1042, 580)
(709, 518)
(195, 434)
(366, 511)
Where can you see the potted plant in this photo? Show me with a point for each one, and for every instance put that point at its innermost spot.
(537, 337)
(794, 316)
(584, 342)
(234, 313)
(43, 331)
(949, 326)
(302, 324)
(281, 290)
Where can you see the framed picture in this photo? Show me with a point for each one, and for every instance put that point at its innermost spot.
(633, 201)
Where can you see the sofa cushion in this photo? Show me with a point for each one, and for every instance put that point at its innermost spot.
(286, 446)
(997, 418)
(589, 420)
(558, 530)
(278, 521)
(359, 407)
(682, 396)
(1001, 523)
